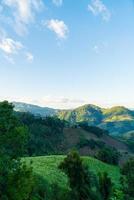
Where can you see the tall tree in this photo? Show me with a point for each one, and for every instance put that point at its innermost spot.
(128, 179)
(105, 186)
(16, 178)
(81, 180)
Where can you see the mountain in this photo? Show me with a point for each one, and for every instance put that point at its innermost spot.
(87, 113)
(35, 110)
(117, 120)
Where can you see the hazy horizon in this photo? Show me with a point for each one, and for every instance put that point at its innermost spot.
(63, 105)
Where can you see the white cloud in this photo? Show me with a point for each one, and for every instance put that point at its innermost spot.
(58, 27)
(10, 46)
(22, 12)
(58, 2)
(97, 7)
(29, 56)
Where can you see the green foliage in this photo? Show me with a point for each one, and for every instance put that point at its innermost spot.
(13, 136)
(47, 168)
(81, 180)
(108, 155)
(19, 182)
(105, 186)
(45, 134)
(128, 179)
(92, 129)
(118, 195)
(90, 143)
(85, 142)
(16, 180)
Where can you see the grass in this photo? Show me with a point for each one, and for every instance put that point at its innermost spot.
(47, 168)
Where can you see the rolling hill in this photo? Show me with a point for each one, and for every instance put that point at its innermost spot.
(47, 168)
(117, 120)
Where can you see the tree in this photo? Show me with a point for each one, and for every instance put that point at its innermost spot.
(128, 179)
(81, 180)
(109, 155)
(105, 186)
(16, 180)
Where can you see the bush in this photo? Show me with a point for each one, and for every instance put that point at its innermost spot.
(85, 142)
(109, 155)
(93, 129)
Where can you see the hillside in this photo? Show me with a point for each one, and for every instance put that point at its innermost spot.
(88, 143)
(47, 168)
(52, 136)
(117, 120)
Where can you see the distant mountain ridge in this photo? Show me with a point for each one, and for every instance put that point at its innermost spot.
(34, 109)
(117, 120)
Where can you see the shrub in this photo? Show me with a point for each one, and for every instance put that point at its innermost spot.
(109, 155)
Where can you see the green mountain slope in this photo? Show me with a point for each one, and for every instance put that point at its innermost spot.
(117, 113)
(88, 113)
(117, 120)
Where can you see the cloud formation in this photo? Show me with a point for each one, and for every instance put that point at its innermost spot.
(22, 12)
(58, 27)
(10, 46)
(58, 2)
(97, 7)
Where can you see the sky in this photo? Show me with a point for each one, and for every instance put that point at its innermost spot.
(66, 53)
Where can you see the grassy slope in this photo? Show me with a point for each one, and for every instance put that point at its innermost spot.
(47, 168)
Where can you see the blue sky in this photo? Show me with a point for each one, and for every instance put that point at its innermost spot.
(65, 53)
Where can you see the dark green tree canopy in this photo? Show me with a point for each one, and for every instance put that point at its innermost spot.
(16, 179)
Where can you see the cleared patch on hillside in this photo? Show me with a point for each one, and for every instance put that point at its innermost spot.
(47, 168)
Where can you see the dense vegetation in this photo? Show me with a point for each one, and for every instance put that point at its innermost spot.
(51, 135)
(109, 155)
(48, 168)
(128, 138)
(16, 180)
(23, 134)
(45, 134)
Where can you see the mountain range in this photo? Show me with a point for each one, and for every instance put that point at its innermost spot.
(117, 120)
